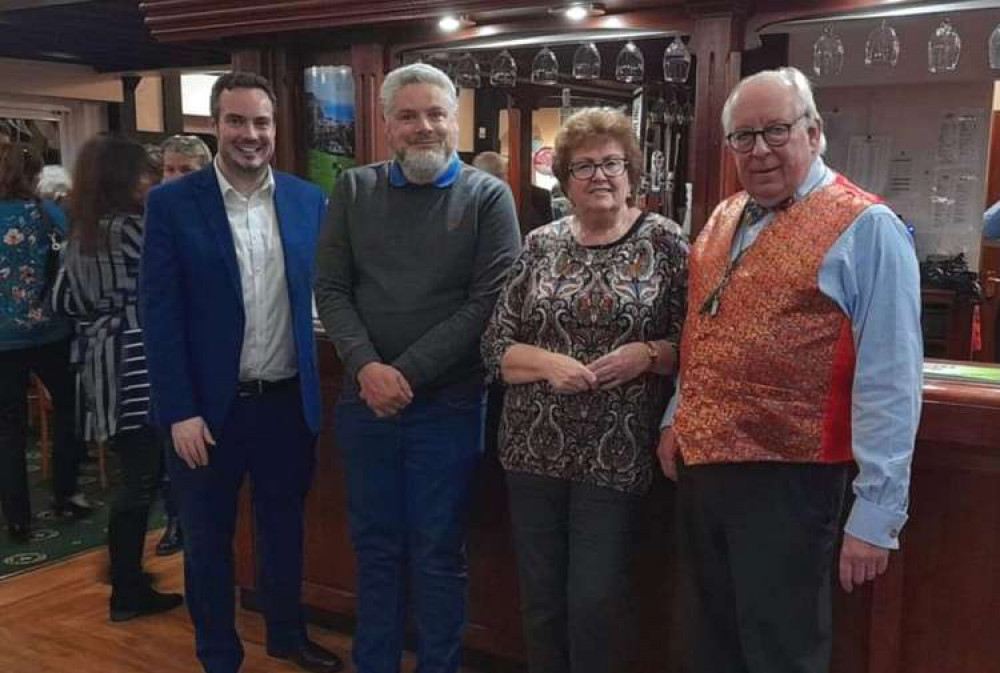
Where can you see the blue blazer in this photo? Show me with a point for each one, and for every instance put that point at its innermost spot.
(191, 300)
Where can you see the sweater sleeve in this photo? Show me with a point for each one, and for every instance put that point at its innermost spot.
(445, 344)
(333, 283)
(505, 327)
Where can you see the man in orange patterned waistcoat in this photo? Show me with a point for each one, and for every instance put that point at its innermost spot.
(801, 354)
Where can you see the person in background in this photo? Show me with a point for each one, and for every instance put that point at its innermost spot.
(801, 355)
(98, 287)
(54, 184)
(181, 155)
(226, 297)
(584, 399)
(154, 156)
(493, 163)
(409, 264)
(541, 199)
(32, 341)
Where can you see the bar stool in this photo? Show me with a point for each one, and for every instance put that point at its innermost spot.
(39, 412)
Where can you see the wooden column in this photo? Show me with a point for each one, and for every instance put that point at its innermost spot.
(516, 160)
(127, 115)
(717, 42)
(369, 68)
(173, 104)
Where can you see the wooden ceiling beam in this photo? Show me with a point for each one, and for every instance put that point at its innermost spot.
(179, 20)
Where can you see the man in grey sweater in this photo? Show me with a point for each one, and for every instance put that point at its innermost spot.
(410, 262)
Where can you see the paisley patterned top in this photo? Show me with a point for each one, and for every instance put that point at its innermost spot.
(585, 301)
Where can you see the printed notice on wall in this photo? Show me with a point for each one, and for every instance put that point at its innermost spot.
(960, 139)
(956, 189)
(868, 160)
(900, 175)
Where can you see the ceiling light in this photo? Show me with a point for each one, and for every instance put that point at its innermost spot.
(451, 23)
(578, 11)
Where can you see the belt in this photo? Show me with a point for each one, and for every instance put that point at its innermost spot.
(259, 387)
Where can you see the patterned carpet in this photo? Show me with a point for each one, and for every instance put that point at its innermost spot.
(52, 538)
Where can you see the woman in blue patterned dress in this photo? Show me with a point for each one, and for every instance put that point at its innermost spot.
(32, 340)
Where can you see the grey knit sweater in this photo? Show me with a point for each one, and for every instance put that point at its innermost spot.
(408, 275)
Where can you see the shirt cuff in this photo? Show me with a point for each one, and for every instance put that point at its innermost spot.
(875, 524)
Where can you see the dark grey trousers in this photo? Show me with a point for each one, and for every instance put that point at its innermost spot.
(575, 545)
(757, 543)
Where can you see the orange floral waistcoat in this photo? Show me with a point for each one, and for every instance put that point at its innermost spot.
(768, 378)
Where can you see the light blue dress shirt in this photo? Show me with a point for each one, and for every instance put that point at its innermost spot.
(872, 274)
(991, 222)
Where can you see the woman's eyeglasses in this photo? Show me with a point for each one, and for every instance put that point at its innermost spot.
(611, 167)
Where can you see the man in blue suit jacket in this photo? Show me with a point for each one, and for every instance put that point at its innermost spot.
(225, 292)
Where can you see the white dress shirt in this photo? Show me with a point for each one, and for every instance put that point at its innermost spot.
(268, 351)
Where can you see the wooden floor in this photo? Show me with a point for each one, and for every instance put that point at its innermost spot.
(55, 620)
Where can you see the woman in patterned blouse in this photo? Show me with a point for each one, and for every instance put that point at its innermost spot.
(585, 336)
(32, 341)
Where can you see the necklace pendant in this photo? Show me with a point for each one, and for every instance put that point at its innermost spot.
(713, 307)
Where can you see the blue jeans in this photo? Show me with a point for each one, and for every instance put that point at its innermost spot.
(409, 481)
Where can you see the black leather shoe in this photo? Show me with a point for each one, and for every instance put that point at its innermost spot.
(19, 532)
(74, 507)
(312, 657)
(172, 540)
(149, 602)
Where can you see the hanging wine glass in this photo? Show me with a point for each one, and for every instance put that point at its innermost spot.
(630, 66)
(467, 73)
(995, 48)
(503, 70)
(828, 53)
(676, 61)
(882, 47)
(943, 49)
(587, 62)
(545, 67)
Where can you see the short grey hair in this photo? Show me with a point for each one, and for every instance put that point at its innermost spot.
(416, 73)
(192, 147)
(789, 76)
(54, 183)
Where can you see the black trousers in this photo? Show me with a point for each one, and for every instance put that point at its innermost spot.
(50, 362)
(575, 544)
(140, 455)
(757, 543)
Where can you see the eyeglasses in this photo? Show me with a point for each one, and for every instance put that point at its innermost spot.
(774, 135)
(611, 167)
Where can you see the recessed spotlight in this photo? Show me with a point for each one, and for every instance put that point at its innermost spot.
(578, 11)
(451, 23)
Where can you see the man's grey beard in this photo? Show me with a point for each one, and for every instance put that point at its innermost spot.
(422, 167)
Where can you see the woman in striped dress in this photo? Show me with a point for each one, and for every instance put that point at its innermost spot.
(97, 287)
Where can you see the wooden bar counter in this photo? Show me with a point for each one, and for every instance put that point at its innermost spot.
(936, 610)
